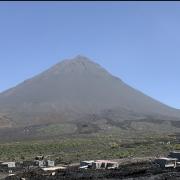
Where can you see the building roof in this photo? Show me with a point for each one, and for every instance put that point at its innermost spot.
(53, 168)
(8, 162)
(167, 159)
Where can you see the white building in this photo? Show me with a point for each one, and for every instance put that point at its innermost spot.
(9, 164)
(105, 164)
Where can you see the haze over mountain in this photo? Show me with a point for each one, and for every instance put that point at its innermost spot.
(75, 90)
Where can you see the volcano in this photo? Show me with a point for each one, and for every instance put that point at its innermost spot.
(77, 90)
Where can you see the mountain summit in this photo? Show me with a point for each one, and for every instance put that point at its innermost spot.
(72, 91)
(79, 64)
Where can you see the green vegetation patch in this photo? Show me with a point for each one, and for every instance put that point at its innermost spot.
(74, 149)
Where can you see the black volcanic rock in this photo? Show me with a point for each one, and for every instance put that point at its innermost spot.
(75, 89)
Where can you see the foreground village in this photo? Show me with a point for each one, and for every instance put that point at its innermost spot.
(42, 167)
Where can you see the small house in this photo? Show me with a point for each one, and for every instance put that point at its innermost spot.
(166, 162)
(9, 164)
(105, 164)
(50, 163)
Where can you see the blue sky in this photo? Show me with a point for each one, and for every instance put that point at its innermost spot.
(136, 41)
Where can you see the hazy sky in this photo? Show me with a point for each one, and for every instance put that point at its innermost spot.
(136, 41)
